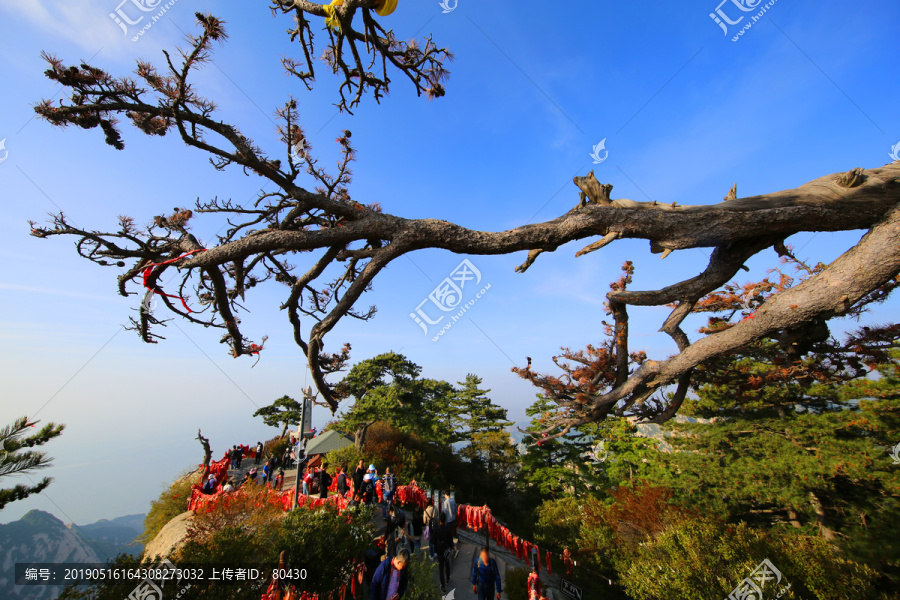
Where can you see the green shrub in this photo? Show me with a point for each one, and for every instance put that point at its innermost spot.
(423, 580)
(276, 447)
(325, 544)
(171, 503)
(516, 584)
(349, 456)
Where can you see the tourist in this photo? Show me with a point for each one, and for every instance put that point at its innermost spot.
(430, 521)
(209, 487)
(279, 480)
(324, 481)
(417, 526)
(342, 485)
(259, 452)
(239, 455)
(266, 472)
(391, 578)
(358, 475)
(368, 489)
(533, 586)
(307, 480)
(393, 523)
(270, 468)
(229, 486)
(442, 537)
(286, 458)
(252, 473)
(355, 501)
(486, 577)
(388, 487)
(373, 481)
(232, 456)
(449, 510)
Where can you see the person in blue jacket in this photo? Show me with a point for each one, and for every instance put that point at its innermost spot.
(486, 577)
(391, 578)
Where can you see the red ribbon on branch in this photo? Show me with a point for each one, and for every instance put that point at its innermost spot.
(148, 270)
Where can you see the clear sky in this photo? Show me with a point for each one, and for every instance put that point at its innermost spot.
(685, 112)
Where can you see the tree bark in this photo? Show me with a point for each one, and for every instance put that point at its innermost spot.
(207, 452)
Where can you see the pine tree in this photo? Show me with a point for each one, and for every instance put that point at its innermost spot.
(557, 466)
(387, 388)
(778, 450)
(481, 415)
(285, 412)
(16, 457)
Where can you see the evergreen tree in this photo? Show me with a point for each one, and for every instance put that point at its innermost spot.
(557, 466)
(481, 415)
(285, 412)
(776, 449)
(17, 458)
(388, 388)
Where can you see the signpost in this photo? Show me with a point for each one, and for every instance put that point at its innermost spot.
(570, 590)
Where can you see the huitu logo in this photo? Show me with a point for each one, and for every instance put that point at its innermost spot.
(4, 153)
(448, 298)
(751, 300)
(722, 19)
(598, 453)
(761, 583)
(148, 305)
(597, 149)
(447, 6)
(124, 20)
(895, 152)
(895, 454)
(451, 595)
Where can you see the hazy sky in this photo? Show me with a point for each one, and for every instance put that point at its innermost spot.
(810, 89)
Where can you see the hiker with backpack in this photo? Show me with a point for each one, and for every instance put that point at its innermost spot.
(368, 489)
(259, 452)
(486, 577)
(388, 487)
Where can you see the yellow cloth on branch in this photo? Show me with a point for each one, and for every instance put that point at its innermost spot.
(383, 8)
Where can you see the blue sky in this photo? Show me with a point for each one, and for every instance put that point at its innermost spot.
(685, 112)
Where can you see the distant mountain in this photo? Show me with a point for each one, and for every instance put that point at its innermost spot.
(115, 536)
(40, 537)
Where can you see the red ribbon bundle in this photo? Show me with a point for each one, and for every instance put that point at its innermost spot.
(148, 270)
(477, 518)
(201, 503)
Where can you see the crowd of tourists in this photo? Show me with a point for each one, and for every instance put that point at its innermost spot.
(430, 530)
